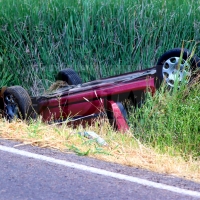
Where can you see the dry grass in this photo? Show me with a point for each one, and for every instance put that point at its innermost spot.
(122, 148)
(56, 85)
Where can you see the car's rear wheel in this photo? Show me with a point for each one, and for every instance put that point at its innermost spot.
(70, 76)
(176, 65)
(17, 103)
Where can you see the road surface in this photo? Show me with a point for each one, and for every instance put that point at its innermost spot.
(33, 173)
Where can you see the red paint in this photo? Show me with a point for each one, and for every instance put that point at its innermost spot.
(120, 121)
(90, 98)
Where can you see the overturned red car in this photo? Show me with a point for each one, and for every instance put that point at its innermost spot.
(77, 101)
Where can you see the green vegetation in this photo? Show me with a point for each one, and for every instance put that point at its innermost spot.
(97, 37)
(169, 121)
(103, 38)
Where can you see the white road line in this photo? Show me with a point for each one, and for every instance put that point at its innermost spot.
(101, 172)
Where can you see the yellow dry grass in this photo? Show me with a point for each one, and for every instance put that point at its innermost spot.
(121, 148)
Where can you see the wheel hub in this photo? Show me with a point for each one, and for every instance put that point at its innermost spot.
(177, 70)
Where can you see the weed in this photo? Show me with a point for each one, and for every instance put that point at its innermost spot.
(169, 119)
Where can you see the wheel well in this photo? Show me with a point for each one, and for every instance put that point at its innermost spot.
(133, 97)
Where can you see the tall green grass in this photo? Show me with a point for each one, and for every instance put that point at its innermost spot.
(97, 37)
(169, 120)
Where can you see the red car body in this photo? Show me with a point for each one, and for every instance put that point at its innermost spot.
(88, 100)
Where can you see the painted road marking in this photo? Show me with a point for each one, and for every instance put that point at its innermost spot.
(101, 171)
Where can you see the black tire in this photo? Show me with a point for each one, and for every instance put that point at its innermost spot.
(17, 103)
(70, 76)
(194, 62)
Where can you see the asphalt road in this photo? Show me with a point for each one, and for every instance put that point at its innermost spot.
(24, 177)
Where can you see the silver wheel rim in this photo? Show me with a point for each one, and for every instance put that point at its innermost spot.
(173, 71)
